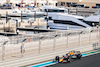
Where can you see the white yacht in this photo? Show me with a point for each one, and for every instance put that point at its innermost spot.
(32, 12)
(52, 25)
(69, 19)
(16, 13)
(97, 13)
(92, 20)
(25, 13)
(52, 10)
(66, 22)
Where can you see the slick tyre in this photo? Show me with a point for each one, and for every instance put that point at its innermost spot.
(79, 57)
(69, 60)
(57, 58)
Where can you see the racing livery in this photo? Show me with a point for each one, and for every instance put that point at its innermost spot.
(68, 57)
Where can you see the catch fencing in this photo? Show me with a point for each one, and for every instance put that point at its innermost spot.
(42, 43)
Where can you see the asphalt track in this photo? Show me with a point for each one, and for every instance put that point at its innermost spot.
(88, 61)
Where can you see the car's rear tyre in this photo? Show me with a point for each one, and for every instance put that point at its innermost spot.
(79, 57)
(57, 58)
(69, 59)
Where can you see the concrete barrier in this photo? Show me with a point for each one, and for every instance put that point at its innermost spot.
(44, 57)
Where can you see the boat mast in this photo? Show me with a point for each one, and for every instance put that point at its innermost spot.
(34, 3)
(47, 2)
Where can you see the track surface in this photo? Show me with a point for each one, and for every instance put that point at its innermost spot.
(89, 61)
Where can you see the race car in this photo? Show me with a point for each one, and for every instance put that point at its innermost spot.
(63, 59)
(75, 54)
(68, 57)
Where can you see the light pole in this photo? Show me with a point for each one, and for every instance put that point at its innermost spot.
(3, 50)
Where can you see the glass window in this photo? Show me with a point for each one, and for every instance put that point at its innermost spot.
(45, 10)
(50, 10)
(15, 12)
(61, 10)
(55, 10)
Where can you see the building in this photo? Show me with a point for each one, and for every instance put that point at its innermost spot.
(29, 2)
(89, 3)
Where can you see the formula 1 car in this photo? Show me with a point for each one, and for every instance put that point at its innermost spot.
(62, 59)
(68, 57)
(75, 54)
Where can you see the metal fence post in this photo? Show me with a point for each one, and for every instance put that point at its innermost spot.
(90, 38)
(98, 31)
(54, 44)
(22, 47)
(67, 41)
(99, 35)
(17, 39)
(79, 39)
(39, 45)
(3, 52)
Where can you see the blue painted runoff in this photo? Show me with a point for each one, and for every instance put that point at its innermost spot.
(43, 64)
(84, 54)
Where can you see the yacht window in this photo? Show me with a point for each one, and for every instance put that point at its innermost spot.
(61, 10)
(45, 10)
(27, 11)
(41, 10)
(50, 10)
(15, 12)
(55, 10)
(68, 22)
(32, 11)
